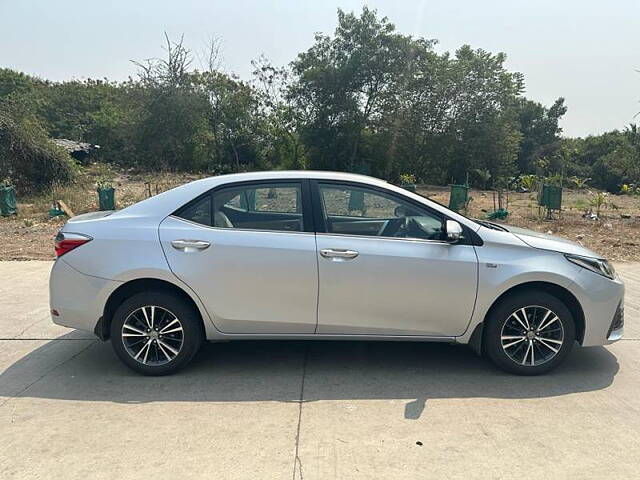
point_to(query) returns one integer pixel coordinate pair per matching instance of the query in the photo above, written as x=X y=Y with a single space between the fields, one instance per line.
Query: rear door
x=384 y=267
x=248 y=251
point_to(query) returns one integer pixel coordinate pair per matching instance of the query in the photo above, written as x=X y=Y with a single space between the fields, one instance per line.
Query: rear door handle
x=338 y=253
x=190 y=245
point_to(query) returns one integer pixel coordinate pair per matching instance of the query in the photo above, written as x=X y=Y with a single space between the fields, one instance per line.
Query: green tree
x=171 y=131
x=540 y=130
x=12 y=82
x=365 y=98
x=281 y=120
x=455 y=115
x=621 y=164
x=28 y=158
x=346 y=84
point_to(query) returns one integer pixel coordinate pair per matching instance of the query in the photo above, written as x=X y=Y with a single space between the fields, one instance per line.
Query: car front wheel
x=529 y=333
x=156 y=333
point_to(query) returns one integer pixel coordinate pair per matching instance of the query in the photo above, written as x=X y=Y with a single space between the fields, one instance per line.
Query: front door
x=384 y=268
x=249 y=253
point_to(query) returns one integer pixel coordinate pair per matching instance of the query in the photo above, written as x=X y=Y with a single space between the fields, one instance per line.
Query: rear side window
x=199 y=212
x=268 y=206
x=276 y=199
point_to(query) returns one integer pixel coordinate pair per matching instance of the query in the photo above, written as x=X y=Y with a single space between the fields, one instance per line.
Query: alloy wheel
x=532 y=335
x=152 y=335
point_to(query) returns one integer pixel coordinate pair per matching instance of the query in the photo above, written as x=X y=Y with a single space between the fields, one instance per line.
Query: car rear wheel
x=156 y=333
x=529 y=333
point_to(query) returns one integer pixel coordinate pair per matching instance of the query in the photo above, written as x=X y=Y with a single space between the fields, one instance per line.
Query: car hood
x=545 y=241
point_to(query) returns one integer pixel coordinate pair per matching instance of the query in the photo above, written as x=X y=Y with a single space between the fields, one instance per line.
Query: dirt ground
x=29 y=236
x=615 y=235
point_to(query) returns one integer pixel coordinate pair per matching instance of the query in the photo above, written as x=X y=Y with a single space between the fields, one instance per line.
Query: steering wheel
x=396 y=227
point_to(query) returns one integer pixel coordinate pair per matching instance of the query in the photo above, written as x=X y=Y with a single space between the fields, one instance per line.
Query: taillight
x=65 y=242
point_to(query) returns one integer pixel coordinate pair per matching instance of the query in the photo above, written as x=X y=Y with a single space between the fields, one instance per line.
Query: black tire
x=190 y=336
x=560 y=335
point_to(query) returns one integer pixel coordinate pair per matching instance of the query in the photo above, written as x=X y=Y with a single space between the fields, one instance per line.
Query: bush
x=407 y=178
x=610 y=173
x=28 y=158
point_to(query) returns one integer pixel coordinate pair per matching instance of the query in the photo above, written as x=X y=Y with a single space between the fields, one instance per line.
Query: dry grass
x=29 y=235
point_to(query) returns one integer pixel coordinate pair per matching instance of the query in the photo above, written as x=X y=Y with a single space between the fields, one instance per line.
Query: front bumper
x=78 y=299
x=615 y=335
x=602 y=302
x=616 y=330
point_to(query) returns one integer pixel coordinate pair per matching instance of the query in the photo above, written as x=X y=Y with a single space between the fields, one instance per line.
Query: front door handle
x=190 y=245
x=338 y=253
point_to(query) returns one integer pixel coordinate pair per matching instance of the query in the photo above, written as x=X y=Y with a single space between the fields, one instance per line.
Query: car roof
x=167 y=202
x=295 y=174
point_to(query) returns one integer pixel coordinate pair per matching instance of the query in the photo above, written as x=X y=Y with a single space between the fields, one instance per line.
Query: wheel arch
x=558 y=291
x=133 y=287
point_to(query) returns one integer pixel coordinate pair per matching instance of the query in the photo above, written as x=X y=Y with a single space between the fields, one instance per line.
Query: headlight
x=596 y=265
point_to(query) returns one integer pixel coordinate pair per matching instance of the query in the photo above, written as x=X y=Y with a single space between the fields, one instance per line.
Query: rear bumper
x=78 y=299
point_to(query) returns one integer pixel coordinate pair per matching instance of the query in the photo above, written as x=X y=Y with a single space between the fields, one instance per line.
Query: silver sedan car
x=326 y=256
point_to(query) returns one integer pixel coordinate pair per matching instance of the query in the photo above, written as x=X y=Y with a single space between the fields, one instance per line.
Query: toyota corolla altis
x=330 y=256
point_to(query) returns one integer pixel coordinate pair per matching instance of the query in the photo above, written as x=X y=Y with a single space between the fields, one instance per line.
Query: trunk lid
x=88 y=217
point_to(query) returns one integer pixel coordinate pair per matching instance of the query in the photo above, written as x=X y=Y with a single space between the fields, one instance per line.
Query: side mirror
x=453 y=231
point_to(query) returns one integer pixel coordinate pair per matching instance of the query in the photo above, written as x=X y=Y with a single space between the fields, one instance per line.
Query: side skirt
x=346 y=337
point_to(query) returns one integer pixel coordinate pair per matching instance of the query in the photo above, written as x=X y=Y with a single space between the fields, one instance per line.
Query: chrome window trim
x=411 y=239
x=234 y=229
x=324 y=234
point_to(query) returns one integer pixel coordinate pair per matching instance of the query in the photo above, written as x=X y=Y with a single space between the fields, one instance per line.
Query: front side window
x=351 y=210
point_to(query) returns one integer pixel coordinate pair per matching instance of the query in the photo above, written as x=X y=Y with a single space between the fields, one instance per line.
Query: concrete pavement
x=314 y=410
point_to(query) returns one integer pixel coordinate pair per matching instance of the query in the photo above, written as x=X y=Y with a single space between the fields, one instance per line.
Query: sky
x=585 y=51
